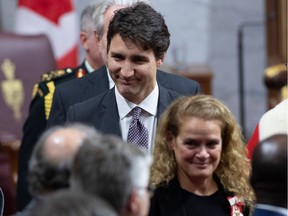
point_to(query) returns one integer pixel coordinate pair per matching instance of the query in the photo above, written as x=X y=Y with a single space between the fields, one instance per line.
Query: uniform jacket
x=35 y=124
x=94 y=83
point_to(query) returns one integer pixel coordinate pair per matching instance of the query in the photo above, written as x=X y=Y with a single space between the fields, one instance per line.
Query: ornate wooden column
x=276 y=42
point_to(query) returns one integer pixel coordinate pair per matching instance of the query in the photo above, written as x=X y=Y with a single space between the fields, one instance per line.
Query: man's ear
x=161 y=60
x=133 y=203
x=97 y=37
x=83 y=39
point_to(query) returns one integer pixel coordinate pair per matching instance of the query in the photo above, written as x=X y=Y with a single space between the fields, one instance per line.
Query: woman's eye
x=190 y=143
x=212 y=144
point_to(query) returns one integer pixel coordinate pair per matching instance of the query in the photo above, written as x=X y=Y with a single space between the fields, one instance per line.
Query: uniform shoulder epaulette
x=41 y=87
x=46 y=87
x=56 y=74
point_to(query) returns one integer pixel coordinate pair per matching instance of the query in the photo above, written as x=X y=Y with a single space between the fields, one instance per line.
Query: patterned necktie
x=137 y=133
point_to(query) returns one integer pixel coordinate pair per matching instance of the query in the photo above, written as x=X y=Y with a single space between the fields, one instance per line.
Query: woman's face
x=197 y=148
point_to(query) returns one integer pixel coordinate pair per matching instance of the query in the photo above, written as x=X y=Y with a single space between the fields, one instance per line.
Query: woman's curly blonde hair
x=234 y=167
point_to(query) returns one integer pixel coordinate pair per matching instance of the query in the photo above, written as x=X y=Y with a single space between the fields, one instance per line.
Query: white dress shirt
x=111 y=82
x=148 y=116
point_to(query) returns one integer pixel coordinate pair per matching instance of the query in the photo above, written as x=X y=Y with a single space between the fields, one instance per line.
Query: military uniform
x=36 y=121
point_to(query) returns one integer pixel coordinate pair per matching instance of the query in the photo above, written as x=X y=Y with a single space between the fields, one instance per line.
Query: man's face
x=107 y=18
x=132 y=69
x=93 y=50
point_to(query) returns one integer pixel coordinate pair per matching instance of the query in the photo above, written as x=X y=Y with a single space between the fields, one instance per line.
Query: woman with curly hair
x=200 y=161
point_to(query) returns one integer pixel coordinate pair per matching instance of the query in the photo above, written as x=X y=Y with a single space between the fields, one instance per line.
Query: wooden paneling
x=276 y=42
x=276 y=31
x=200 y=73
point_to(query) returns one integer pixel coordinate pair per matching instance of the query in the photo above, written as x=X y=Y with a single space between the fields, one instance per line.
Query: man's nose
x=127 y=69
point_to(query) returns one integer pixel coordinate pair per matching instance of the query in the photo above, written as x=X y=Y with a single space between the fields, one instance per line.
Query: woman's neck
x=198 y=186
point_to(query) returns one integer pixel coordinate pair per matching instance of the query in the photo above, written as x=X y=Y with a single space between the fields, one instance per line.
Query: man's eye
x=139 y=60
x=117 y=57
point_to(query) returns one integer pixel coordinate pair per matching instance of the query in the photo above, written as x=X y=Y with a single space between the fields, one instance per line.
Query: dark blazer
x=264 y=212
x=94 y=83
x=102 y=112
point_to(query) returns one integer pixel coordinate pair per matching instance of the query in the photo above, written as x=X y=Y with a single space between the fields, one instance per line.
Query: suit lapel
x=166 y=97
x=97 y=83
x=110 y=119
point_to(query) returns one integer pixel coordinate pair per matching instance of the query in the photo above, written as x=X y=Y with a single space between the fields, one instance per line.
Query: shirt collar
x=148 y=104
x=111 y=82
x=88 y=66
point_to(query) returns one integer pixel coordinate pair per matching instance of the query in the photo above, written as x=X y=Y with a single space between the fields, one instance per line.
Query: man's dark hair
x=142 y=25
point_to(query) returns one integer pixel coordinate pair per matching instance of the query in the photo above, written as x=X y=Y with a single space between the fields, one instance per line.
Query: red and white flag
x=55 y=18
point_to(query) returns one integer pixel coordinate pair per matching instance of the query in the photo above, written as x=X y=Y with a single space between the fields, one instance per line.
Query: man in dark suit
x=269 y=176
x=99 y=81
x=137 y=41
x=40 y=105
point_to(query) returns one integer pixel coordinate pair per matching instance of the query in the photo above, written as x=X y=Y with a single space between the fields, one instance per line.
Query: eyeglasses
x=150 y=189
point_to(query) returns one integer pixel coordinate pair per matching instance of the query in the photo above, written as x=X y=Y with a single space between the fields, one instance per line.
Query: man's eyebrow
x=139 y=58
x=116 y=54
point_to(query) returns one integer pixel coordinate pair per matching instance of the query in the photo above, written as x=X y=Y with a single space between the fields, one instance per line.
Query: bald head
x=50 y=163
x=269 y=171
x=62 y=144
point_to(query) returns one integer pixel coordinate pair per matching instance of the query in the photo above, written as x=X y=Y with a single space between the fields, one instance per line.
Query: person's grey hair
x=140 y=169
x=47 y=175
x=103 y=5
x=86 y=19
x=110 y=168
x=72 y=203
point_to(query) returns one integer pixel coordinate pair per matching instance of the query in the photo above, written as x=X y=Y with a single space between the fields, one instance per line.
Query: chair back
x=23 y=59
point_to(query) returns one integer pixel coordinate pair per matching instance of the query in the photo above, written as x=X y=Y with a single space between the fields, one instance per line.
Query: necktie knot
x=136 y=113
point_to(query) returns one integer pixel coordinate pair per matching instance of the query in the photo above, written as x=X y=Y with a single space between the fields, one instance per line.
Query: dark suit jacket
x=102 y=112
x=263 y=212
x=34 y=126
x=94 y=83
